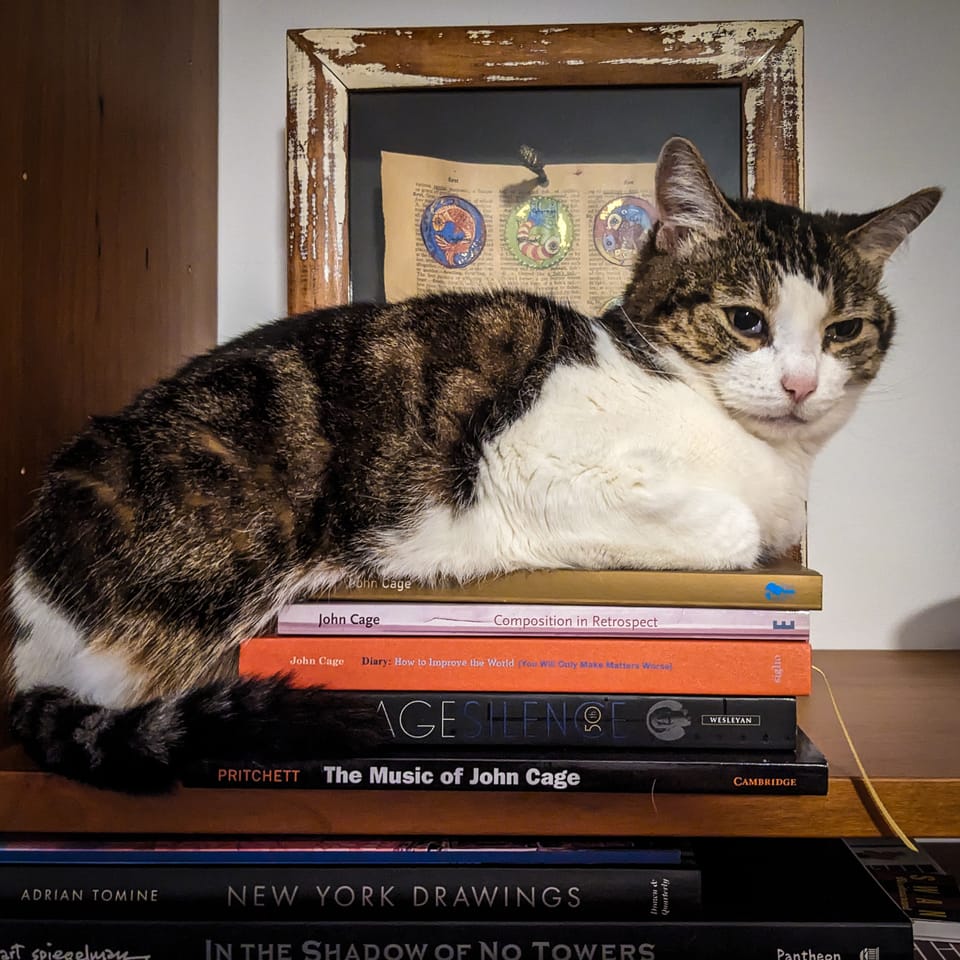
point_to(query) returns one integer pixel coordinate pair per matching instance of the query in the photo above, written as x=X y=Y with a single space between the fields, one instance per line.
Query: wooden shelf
x=899 y=706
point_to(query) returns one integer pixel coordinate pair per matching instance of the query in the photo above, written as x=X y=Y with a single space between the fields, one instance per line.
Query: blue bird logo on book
x=775 y=591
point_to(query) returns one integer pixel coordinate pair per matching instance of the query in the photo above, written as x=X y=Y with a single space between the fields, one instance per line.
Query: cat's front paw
x=730 y=536
x=699 y=529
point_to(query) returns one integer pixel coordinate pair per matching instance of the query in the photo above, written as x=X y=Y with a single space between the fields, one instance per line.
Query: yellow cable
x=884 y=812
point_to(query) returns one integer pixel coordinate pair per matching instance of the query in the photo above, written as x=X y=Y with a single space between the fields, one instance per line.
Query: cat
x=452 y=435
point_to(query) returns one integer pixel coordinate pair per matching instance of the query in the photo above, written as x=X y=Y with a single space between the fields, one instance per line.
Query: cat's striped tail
x=144 y=749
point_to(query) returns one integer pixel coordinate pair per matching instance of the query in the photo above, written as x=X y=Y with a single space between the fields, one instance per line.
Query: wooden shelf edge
x=36 y=802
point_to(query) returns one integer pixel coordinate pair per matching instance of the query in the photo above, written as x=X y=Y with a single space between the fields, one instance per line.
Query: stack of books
x=520 y=899
x=584 y=680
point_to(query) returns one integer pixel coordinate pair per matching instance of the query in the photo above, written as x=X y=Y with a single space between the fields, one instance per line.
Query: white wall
x=882 y=86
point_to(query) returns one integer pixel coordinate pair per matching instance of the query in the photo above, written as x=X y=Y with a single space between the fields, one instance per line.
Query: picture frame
x=763 y=59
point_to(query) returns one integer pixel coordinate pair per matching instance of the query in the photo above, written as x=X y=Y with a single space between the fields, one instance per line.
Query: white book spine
x=347 y=618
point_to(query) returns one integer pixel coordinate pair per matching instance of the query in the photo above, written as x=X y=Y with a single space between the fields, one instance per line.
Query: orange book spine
x=536 y=664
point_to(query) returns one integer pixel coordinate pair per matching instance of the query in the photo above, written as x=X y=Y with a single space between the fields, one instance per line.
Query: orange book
x=536 y=664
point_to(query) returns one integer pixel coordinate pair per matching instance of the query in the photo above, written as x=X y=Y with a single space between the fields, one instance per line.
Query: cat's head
x=774 y=312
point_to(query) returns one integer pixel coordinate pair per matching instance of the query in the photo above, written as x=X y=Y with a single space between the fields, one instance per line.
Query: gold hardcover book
x=784 y=585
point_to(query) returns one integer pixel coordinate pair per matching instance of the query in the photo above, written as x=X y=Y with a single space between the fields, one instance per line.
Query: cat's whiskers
x=636 y=329
x=658 y=356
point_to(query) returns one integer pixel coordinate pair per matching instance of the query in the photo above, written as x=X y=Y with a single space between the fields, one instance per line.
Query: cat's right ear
x=690 y=205
x=884 y=231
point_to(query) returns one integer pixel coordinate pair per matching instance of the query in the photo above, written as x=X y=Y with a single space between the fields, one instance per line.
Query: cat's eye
x=746 y=320
x=844 y=330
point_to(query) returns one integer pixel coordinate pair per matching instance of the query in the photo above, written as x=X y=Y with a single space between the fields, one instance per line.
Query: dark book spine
x=631 y=722
x=444 y=940
x=272 y=892
x=578 y=773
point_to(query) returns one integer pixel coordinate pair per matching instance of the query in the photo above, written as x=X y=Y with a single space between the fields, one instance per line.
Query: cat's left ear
x=690 y=205
x=886 y=229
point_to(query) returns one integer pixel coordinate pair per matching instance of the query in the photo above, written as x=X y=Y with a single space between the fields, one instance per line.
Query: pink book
x=404 y=618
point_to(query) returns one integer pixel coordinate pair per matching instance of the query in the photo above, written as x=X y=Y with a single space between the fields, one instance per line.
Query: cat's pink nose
x=799 y=385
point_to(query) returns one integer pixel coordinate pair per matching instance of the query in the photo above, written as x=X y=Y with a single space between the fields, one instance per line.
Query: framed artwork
x=578 y=93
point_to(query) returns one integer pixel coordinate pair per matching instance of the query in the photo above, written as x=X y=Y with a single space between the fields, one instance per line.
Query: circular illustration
x=453 y=231
x=619 y=226
x=539 y=232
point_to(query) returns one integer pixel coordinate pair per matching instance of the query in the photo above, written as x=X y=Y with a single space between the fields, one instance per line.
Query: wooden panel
x=13 y=71
x=108 y=252
x=897 y=704
x=764 y=58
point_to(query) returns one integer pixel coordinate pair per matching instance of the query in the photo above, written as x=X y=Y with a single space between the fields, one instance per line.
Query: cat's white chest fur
x=614 y=466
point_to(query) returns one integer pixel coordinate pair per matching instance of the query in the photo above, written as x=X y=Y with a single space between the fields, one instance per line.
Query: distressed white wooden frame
x=765 y=58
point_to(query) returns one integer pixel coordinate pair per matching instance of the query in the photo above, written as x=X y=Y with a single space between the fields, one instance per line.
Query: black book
x=428 y=718
x=359 y=892
x=762 y=900
x=802 y=771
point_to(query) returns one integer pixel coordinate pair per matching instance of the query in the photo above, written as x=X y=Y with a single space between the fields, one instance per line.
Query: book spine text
x=536 y=664
x=628 y=722
x=577 y=773
x=337 y=618
x=635 y=939
x=465 y=891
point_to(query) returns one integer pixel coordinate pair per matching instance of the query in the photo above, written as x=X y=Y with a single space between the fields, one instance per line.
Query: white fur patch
x=53 y=652
x=613 y=467
x=798 y=320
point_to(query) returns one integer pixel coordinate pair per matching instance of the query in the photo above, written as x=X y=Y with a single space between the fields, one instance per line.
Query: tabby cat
x=446 y=436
